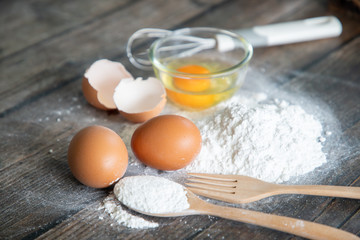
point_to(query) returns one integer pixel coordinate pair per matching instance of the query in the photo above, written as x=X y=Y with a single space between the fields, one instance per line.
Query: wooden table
x=45 y=48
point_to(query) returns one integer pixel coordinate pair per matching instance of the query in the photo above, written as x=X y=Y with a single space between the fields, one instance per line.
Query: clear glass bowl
x=200 y=67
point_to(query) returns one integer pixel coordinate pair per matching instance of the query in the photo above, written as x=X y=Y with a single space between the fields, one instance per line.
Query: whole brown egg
x=97 y=156
x=167 y=142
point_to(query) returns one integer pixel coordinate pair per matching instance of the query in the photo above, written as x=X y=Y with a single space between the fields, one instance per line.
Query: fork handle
x=322 y=190
x=285 y=224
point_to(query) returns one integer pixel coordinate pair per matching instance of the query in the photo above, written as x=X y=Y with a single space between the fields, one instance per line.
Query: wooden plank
x=70 y=64
x=25 y=168
x=22 y=139
x=236 y=230
x=39 y=164
x=51 y=80
x=334 y=213
x=271 y=60
x=344 y=213
x=328 y=211
x=43 y=188
x=352 y=225
x=65 y=57
x=88 y=219
x=42 y=178
x=26 y=23
x=338 y=212
x=314 y=51
x=329 y=79
x=317 y=83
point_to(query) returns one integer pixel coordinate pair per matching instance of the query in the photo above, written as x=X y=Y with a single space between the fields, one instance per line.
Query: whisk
x=258 y=36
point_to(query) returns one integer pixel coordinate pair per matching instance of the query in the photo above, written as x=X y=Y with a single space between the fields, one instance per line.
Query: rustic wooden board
x=50 y=80
x=41 y=108
x=26 y=23
x=72 y=51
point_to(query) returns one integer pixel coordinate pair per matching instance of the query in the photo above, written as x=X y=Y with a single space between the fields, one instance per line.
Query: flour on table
x=151 y=194
x=113 y=208
x=126 y=134
x=272 y=142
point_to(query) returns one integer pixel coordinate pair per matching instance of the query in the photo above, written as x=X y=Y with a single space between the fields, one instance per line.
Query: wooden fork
x=243 y=189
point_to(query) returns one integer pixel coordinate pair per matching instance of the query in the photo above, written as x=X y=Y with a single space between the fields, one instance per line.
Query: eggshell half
x=90 y=94
x=139 y=100
x=100 y=81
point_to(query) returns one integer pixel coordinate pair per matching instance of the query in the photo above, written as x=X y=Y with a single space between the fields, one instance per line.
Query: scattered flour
x=151 y=194
x=126 y=134
x=116 y=212
x=272 y=142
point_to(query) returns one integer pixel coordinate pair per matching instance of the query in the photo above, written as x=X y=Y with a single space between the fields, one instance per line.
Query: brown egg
x=97 y=156
x=167 y=142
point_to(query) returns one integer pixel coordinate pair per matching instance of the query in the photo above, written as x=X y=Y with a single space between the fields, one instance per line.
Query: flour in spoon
x=151 y=194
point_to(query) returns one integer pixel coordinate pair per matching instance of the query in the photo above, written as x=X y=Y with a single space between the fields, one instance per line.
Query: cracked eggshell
x=100 y=81
x=139 y=100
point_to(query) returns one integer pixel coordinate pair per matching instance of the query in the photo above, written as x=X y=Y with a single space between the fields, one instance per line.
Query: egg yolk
x=191 y=101
x=192 y=85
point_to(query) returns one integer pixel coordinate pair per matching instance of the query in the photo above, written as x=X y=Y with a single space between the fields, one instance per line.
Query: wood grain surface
x=45 y=48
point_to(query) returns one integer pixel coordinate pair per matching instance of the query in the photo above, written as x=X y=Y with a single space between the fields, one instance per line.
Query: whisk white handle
x=259 y=36
x=291 y=32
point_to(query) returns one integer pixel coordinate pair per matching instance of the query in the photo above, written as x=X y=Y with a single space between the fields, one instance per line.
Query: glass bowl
x=200 y=67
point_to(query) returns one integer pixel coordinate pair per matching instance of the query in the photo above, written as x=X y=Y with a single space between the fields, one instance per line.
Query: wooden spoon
x=285 y=224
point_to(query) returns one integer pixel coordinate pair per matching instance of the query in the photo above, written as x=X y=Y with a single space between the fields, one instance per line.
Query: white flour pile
x=151 y=194
x=271 y=142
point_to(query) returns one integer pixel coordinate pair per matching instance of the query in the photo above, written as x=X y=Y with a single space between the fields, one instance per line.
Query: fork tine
x=211 y=194
x=212 y=187
x=212 y=182
x=213 y=176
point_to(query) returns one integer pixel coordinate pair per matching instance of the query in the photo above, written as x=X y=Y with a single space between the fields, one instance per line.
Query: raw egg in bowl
x=199 y=67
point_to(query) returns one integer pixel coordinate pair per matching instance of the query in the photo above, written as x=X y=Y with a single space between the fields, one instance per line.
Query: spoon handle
x=322 y=190
x=285 y=224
